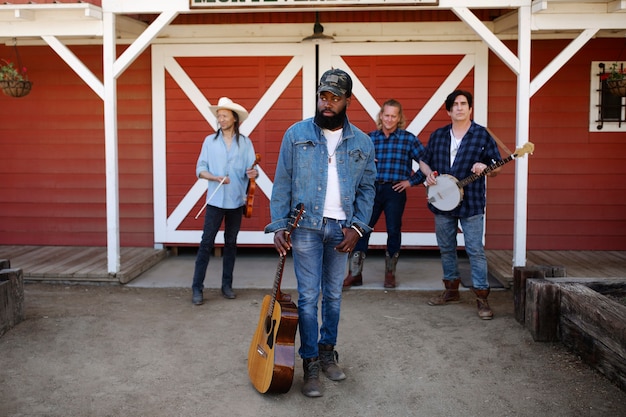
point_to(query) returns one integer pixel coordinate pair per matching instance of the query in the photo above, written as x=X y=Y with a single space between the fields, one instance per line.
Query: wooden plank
x=593 y=326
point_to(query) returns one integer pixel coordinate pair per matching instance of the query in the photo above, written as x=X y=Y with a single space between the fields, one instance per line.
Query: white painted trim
x=522 y=128
x=110 y=146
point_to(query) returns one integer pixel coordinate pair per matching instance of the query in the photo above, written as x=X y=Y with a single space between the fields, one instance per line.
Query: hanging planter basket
x=14 y=88
x=617 y=87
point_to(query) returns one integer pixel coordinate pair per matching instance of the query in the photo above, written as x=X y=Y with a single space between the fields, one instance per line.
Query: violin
x=251 y=189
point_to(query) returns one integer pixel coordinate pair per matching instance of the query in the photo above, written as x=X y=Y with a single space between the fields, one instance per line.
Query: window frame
x=595 y=95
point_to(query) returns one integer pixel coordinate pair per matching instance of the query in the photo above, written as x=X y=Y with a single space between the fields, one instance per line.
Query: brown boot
x=354 y=278
x=449 y=296
x=312 y=386
x=328 y=361
x=484 y=311
x=390 y=270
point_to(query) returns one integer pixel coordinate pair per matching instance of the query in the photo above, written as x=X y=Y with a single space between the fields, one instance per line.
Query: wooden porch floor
x=78 y=263
x=578 y=264
x=89 y=264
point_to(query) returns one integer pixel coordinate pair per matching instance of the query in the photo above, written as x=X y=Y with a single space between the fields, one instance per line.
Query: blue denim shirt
x=302 y=172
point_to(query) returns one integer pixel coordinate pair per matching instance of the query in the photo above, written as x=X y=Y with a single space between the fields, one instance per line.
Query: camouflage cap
x=337 y=82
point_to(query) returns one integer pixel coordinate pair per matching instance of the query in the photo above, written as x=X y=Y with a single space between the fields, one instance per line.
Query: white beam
x=560 y=60
x=522 y=128
x=24 y=14
x=142 y=42
x=486 y=35
x=110 y=144
x=76 y=65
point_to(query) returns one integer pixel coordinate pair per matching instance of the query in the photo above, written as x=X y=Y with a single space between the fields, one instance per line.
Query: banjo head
x=446 y=194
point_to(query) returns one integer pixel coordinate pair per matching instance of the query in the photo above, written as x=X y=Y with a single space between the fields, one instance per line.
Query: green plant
x=616 y=72
x=10 y=73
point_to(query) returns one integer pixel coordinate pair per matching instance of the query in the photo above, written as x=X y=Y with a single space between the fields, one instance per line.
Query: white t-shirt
x=332 y=204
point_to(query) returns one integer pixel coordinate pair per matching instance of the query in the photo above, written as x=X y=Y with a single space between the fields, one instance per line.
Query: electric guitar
x=447 y=194
x=271 y=356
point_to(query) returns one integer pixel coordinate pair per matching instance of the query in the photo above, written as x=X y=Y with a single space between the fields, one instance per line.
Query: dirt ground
x=86 y=350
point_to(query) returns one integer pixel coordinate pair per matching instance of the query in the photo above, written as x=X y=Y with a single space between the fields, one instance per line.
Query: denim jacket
x=302 y=171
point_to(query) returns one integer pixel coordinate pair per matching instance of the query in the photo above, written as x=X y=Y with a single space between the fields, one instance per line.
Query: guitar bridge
x=260 y=351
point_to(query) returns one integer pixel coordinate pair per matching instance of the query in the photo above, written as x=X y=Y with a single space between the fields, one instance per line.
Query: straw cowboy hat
x=227 y=104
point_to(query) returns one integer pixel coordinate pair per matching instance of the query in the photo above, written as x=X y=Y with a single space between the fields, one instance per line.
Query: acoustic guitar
x=251 y=189
x=271 y=356
x=447 y=194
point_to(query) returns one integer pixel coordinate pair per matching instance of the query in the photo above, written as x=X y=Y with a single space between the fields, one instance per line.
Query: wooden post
x=543 y=304
x=11 y=298
x=520 y=275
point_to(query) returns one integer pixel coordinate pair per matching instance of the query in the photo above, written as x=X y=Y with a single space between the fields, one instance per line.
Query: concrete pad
x=256 y=268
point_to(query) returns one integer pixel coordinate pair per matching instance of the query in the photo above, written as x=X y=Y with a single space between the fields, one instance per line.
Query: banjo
x=447 y=194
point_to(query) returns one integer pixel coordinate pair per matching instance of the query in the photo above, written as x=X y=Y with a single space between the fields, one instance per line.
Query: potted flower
x=13 y=81
x=616 y=80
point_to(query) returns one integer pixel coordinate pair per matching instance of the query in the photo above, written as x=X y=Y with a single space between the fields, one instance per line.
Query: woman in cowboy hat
x=225 y=161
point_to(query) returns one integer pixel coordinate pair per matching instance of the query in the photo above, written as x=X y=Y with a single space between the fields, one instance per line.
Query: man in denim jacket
x=327 y=164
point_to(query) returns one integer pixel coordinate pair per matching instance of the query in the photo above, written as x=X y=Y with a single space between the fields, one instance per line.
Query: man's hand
x=401 y=186
x=350 y=238
x=281 y=243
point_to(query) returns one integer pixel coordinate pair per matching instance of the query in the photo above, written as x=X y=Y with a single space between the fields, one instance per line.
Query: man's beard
x=332 y=122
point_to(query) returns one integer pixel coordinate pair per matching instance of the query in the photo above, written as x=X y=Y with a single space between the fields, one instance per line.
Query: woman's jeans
x=446 y=228
x=318 y=265
x=212 y=222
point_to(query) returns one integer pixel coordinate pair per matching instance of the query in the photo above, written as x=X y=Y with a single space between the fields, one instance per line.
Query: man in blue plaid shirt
x=396 y=149
x=461 y=149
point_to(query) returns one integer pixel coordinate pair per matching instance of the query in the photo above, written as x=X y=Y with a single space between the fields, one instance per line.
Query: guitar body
x=446 y=194
x=272 y=353
x=271 y=356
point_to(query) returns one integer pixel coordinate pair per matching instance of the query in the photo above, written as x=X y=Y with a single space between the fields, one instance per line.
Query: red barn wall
x=52 y=175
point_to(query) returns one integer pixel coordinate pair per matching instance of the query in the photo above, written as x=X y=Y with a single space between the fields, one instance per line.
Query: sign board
x=199 y=4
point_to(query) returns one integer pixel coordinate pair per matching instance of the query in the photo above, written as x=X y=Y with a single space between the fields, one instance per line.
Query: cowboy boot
x=227 y=288
x=449 y=296
x=484 y=311
x=390 y=270
x=354 y=278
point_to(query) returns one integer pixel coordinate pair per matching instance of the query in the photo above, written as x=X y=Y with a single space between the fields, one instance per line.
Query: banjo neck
x=462 y=183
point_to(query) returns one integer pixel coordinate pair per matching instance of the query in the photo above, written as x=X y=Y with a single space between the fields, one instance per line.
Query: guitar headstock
x=528 y=147
x=296 y=216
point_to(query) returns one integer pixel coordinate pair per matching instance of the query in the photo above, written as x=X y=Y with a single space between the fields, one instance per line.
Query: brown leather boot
x=390 y=270
x=354 y=278
x=328 y=360
x=312 y=386
x=449 y=296
x=484 y=311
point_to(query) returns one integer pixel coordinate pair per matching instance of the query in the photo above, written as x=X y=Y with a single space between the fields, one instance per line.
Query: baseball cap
x=336 y=81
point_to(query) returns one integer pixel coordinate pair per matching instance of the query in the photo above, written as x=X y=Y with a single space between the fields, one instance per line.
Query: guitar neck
x=486 y=171
x=277 y=280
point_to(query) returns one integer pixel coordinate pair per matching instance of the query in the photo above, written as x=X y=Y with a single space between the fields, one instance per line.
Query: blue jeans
x=446 y=230
x=318 y=265
x=212 y=222
x=392 y=203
